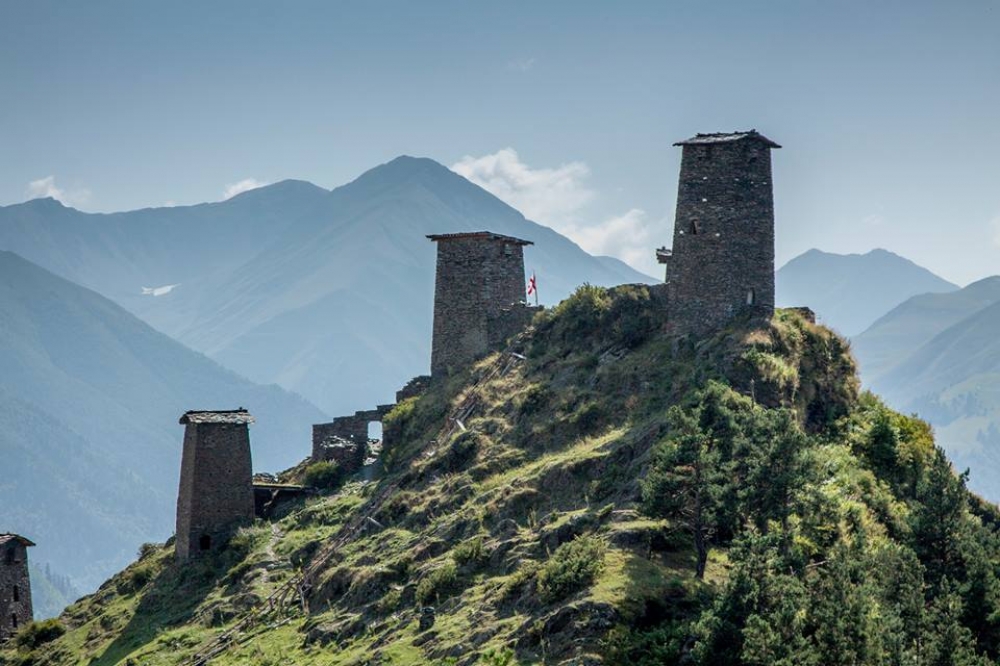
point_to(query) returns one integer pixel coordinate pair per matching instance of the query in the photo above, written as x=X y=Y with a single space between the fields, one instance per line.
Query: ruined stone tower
x=722 y=260
x=216 y=489
x=15 y=585
x=478 y=296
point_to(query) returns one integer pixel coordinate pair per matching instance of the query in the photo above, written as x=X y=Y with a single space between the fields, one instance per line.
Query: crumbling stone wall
x=413 y=388
x=216 y=486
x=15 y=585
x=479 y=276
x=345 y=439
x=722 y=261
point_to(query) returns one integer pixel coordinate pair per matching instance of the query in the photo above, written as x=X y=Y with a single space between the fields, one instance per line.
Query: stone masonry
x=479 y=295
x=216 y=488
x=722 y=261
x=345 y=439
x=15 y=585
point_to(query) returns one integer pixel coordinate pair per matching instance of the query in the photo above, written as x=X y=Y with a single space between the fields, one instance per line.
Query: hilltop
x=600 y=467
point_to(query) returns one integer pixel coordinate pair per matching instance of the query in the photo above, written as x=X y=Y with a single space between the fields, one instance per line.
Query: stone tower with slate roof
x=479 y=296
x=15 y=585
x=722 y=262
x=216 y=488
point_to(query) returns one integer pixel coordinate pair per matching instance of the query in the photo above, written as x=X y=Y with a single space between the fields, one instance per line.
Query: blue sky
x=889 y=112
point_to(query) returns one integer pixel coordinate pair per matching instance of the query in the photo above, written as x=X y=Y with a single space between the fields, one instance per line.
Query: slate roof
x=232 y=416
x=488 y=235
x=24 y=541
x=727 y=137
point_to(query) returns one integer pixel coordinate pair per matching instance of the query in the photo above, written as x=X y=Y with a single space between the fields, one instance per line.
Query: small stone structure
x=413 y=388
x=722 y=261
x=345 y=439
x=15 y=585
x=216 y=492
x=269 y=498
x=479 y=297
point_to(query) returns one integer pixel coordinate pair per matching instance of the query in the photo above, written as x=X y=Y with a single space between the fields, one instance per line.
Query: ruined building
x=216 y=492
x=345 y=439
x=722 y=261
x=479 y=296
x=15 y=584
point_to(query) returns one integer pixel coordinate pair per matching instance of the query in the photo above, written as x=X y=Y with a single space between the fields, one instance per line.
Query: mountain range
x=89 y=402
x=849 y=292
x=327 y=293
x=939 y=355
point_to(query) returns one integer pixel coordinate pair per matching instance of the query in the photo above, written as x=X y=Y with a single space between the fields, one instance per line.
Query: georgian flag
x=532 y=288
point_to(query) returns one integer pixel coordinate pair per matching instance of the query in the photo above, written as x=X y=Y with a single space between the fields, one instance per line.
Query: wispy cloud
x=245 y=185
x=46 y=187
x=629 y=237
x=557 y=197
x=551 y=196
x=521 y=64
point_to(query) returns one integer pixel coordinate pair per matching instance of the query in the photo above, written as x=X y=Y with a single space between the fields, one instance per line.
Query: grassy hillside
x=597 y=493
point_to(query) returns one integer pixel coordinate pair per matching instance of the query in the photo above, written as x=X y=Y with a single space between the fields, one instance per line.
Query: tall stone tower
x=15 y=585
x=479 y=296
x=216 y=489
x=722 y=263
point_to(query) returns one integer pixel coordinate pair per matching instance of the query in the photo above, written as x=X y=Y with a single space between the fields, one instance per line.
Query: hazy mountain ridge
x=88 y=421
x=938 y=355
x=328 y=293
x=850 y=292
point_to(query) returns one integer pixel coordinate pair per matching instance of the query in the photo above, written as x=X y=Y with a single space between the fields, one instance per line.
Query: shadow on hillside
x=167 y=601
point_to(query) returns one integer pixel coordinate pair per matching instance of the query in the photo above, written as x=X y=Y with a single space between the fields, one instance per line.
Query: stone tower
x=15 y=585
x=722 y=261
x=216 y=489
x=479 y=296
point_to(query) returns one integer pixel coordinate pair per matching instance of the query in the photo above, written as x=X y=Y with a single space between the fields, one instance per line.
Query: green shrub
x=463 y=449
x=471 y=552
x=572 y=567
x=525 y=574
x=440 y=581
x=148 y=549
x=535 y=399
x=324 y=474
x=589 y=418
x=663 y=644
x=39 y=633
x=498 y=657
x=135 y=577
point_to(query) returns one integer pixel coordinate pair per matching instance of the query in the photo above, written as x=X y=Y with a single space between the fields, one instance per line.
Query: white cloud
x=46 y=187
x=245 y=185
x=631 y=237
x=550 y=196
x=995 y=229
x=557 y=196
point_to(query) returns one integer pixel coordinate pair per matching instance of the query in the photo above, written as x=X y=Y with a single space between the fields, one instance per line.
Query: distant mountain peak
x=41 y=203
x=283 y=188
x=405 y=167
